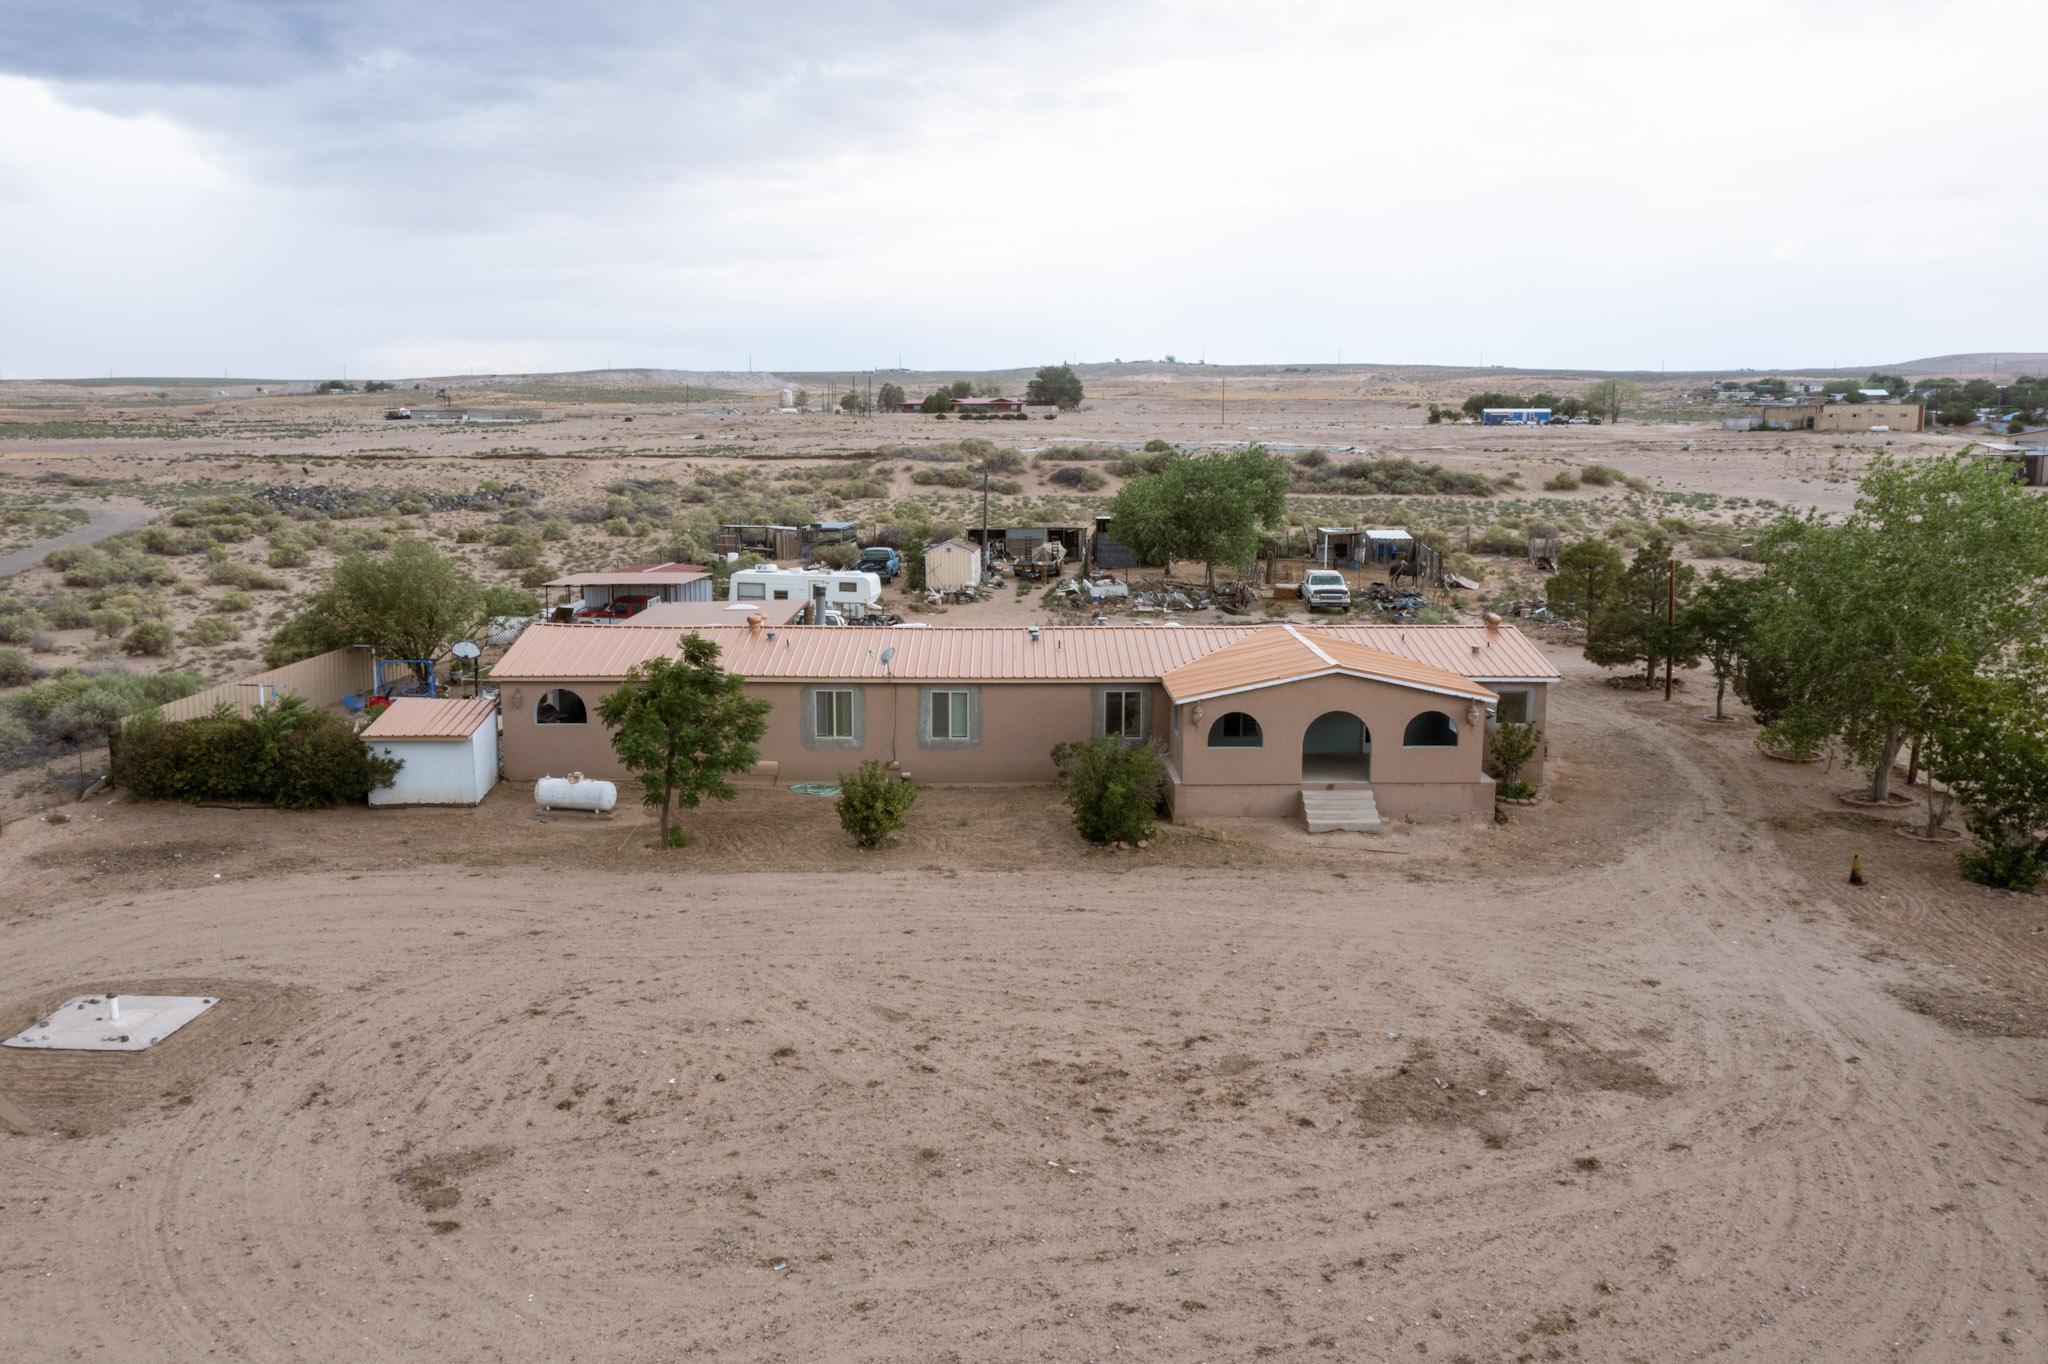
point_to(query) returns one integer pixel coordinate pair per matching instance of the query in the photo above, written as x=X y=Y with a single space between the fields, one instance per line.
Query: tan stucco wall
x=1020 y=723
x=1863 y=416
x=1284 y=714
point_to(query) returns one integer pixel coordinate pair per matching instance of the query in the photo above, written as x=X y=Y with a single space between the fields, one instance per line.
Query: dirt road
x=1629 y=1079
x=110 y=517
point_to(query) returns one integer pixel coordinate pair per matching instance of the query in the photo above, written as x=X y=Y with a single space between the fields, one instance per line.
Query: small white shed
x=449 y=748
x=952 y=564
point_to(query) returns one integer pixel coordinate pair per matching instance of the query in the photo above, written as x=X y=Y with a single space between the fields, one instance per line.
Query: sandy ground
x=488 y=1088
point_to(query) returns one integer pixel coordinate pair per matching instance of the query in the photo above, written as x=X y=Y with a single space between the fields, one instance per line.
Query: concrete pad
x=111 y=1022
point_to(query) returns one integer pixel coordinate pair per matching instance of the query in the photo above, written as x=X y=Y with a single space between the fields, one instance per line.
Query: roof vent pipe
x=1492 y=623
x=1034 y=634
x=756 y=622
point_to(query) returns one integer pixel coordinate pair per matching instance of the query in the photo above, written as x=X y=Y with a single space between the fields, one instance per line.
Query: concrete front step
x=1353 y=808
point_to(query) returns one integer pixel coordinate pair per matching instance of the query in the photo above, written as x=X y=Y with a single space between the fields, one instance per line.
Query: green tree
x=1721 y=620
x=684 y=726
x=1588 y=575
x=802 y=397
x=1055 y=384
x=1941 y=559
x=938 y=400
x=889 y=397
x=1208 y=508
x=1987 y=740
x=412 y=602
x=853 y=403
x=1637 y=625
x=1608 y=397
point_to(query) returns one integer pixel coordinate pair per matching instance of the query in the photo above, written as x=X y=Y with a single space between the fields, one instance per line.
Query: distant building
x=1785 y=416
x=1869 y=416
x=1514 y=416
x=952 y=565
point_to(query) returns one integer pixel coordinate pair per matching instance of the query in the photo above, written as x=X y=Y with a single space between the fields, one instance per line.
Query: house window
x=782 y=594
x=1236 y=730
x=949 y=715
x=1514 y=707
x=1123 y=714
x=753 y=592
x=560 y=707
x=832 y=714
x=1431 y=729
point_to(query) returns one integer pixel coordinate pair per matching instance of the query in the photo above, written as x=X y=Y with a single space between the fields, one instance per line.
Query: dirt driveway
x=1633 y=1078
x=109 y=517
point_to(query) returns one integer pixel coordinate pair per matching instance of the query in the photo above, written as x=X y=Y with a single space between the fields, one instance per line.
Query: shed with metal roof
x=448 y=749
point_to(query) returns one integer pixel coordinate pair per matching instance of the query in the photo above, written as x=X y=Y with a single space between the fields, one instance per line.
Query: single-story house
x=952 y=565
x=612 y=594
x=449 y=748
x=1247 y=715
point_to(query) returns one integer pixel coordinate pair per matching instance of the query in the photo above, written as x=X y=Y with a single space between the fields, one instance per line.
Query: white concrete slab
x=111 y=1022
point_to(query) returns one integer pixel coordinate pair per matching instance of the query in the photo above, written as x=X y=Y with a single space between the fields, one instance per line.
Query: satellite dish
x=888 y=654
x=466 y=649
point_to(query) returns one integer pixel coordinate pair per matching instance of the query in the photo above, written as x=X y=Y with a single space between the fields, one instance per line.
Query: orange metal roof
x=1008 y=652
x=1266 y=657
x=429 y=717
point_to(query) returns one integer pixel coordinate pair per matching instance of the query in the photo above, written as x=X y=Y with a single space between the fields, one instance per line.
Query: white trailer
x=850 y=592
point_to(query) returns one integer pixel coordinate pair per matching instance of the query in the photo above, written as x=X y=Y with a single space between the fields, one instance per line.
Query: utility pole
x=984 y=514
x=1670 y=618
x=1224 y=418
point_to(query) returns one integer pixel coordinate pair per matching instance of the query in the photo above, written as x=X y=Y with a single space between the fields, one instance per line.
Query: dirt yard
x=1636 y=1076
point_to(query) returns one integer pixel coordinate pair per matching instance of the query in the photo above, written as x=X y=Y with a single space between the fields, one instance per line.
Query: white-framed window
x=1123 y=714
x=753 y=592
x=832 y=713
x=949 y=715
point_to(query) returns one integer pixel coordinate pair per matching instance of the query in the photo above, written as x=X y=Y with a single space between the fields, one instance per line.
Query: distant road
x=110 y=517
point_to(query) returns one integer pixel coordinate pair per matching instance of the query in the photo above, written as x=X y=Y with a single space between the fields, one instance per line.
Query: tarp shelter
x=449 y=748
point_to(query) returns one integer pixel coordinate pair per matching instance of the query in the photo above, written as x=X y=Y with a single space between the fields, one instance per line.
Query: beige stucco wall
x=1019 y=723
x=1284 y=714
x=1863 y=416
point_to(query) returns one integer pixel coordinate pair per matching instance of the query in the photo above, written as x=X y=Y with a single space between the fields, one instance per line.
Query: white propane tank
x=575 y=792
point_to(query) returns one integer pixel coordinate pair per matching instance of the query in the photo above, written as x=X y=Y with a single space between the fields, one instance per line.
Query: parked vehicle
x=852 y=592
x=880 y=560
x=1325 y=589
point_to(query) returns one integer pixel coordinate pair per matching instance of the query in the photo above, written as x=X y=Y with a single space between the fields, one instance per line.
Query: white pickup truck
x=1324 y=589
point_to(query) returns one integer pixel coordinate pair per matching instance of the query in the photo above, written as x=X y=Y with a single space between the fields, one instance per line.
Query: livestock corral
x=1630 y=1073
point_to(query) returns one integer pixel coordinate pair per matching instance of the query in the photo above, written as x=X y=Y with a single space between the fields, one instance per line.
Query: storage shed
x=449 y=748
x=952 y=565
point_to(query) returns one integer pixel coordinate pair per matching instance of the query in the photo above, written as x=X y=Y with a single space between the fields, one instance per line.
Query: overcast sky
x=287 y=187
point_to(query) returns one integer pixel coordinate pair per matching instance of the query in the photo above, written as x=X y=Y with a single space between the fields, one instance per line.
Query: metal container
x=575 y=792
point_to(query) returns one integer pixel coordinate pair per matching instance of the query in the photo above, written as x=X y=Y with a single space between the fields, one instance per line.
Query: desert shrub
x=836 y=556
x=520 y=554
x=1563 y=481
x=1073 y=476
x=1312 y=459
x=15 y=668
x=110 y=621
x=75 y=703
x=536 y=576
x=469 y=535
x=151 y=637
x=872 y=803
x=289 y=754
x=209 y=631
x=18 y=627
x=288 y=556
x=163 y=540
x=67 y=613
x=1112 y=788
x=233 y=603
x=2004 y=866
x=1513 y=746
